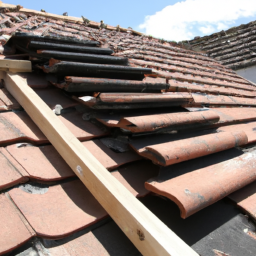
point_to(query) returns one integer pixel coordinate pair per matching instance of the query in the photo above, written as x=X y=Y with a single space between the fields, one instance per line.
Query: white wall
x=248 y=73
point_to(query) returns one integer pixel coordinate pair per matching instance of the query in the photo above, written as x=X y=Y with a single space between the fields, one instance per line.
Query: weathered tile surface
x=13 y=232
x=60 y=211
x=196 y=188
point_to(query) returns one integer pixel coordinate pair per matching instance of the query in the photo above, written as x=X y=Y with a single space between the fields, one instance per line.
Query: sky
x=168 y=19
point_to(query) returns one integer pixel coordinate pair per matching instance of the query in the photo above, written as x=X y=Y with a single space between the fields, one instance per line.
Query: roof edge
x=65 y=18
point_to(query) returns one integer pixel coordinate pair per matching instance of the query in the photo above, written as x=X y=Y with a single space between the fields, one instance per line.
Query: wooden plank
x=141 y=226
x=15 y=65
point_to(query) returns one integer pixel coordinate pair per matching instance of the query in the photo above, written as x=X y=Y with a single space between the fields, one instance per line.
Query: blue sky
x=171 y=20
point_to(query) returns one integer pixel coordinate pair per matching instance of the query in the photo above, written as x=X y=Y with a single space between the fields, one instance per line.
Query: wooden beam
x=140 y=225
x=15 y=65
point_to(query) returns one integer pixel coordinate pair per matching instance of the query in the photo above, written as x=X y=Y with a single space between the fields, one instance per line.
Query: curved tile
x=248 y=128
x=201 y=186
x=172 y=120
x=177 y=151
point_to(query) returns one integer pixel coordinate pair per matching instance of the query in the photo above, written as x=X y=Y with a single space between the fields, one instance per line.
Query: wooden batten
x=15 y=66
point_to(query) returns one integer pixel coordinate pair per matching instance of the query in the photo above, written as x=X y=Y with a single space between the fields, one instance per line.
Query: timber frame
x=140 y=225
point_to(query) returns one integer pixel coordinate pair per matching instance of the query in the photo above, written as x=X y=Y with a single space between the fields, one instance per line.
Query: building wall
x=248 y=73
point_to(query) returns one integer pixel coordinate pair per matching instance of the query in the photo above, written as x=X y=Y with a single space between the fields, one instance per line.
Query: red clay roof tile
x=246 y=198
x=87 y=244
x=53 y=167
x=18 y=127
x=177 y=151
x=7 y=102
x=172 y=121
x=230 y=46
x=134 y=175
x=199 y=188
x=248 y=128
x=14 y=232
x=53 y=96
x=11 y=173
x=62 y=210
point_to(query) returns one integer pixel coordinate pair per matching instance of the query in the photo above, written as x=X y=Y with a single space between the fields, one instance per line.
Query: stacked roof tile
x=162 y=119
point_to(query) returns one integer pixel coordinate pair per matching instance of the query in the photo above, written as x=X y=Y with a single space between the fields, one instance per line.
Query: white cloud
x=181 y=20
x=207 y=29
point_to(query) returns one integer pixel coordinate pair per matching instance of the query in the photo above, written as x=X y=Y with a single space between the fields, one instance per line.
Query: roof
x=233 y=48
x=162 y=119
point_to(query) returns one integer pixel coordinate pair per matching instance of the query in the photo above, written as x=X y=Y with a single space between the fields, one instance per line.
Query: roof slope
x=160 y=118
x=234 y=48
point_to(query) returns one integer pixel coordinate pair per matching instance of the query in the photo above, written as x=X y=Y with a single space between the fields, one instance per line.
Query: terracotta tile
x=3 y=107
x=177 y=151
x=107 y=239
x=35 y=80
x=11 y=173
x=53 y=167
x=198 y=79
x=190 y=87
x=7 y=100
x=236 y=54
x=87 y=244
x=62 y=210
x=14 y=232
x=134 y=175
x=172 y=121
x=53 y=96
x=246 y=199
x=213 y=100
x=143 y=97
x=112 y=120
x=234 y=115
x=17 y=126
x=108 y=157
x=205 y=181
x=175 y=68
x=248 y=128
x=84 y=130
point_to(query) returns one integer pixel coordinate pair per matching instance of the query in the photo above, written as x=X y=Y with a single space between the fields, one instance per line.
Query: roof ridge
x=66 y=18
